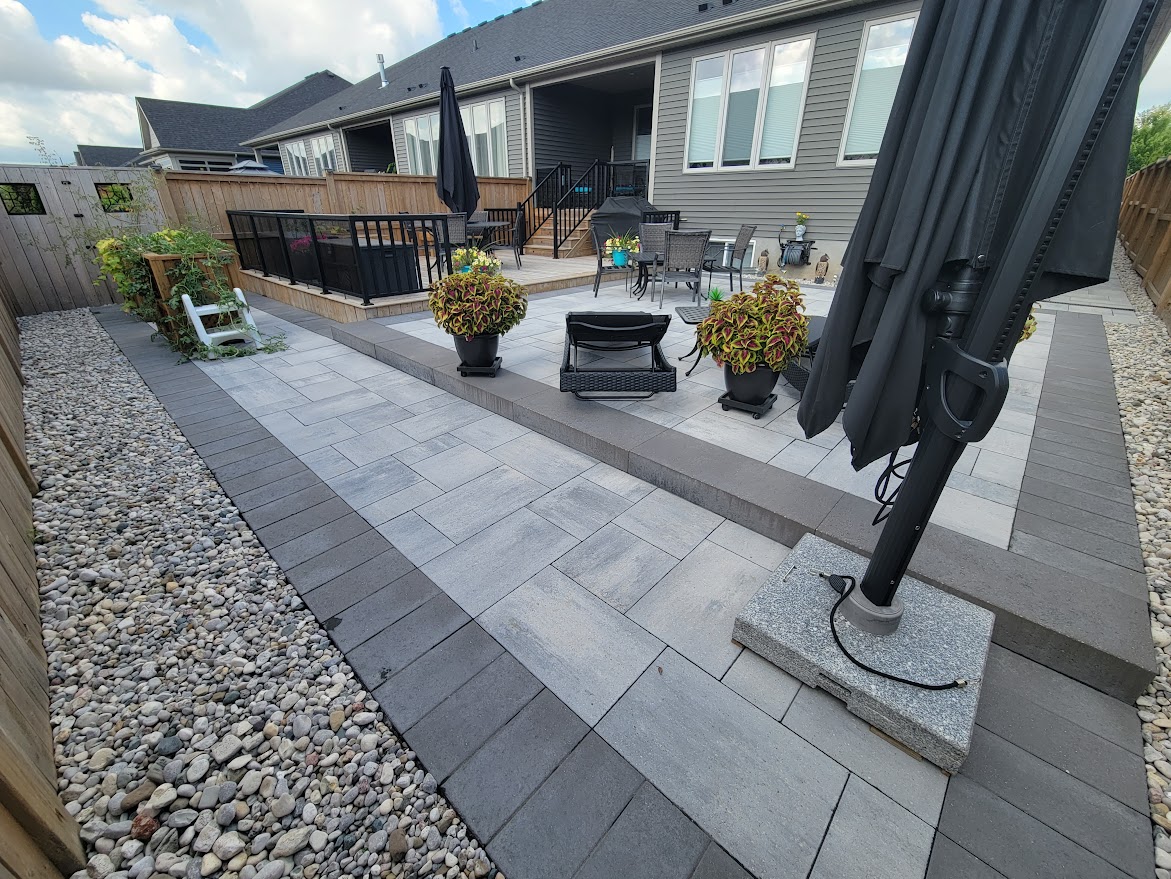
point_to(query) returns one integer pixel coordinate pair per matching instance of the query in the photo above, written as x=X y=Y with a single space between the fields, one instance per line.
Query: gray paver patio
x=774 y=772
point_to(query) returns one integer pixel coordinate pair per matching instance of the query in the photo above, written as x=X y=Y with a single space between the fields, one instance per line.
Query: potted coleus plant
x=477 y=307
x=754 y=336
x=621 y=246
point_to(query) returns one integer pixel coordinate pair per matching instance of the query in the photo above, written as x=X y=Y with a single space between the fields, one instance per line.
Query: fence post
x=333 y=198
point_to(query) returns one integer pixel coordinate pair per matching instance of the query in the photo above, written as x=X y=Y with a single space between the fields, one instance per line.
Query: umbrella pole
x=874 y=606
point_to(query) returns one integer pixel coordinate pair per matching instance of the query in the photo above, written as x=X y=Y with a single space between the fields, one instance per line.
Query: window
x=641 y=149
x=298 y=160
x=485 y=130
x=422 y=143
x=204 y=165
x=324 y=154
x=746 y=106
x=21 y=199
x=115 y=198
x=880 y=65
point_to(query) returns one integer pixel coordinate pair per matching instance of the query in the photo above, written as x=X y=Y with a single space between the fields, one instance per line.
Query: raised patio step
x=1080 y=624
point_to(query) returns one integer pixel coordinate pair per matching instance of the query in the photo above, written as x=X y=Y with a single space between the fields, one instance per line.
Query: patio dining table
x=481 y=229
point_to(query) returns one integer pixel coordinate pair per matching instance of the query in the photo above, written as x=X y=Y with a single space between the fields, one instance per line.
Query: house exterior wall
x=566 y=129
x=365 y=148
x=184 y=161
x=514 y=130
x=723 y=200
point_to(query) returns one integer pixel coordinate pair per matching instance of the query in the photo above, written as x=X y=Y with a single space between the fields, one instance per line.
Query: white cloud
x=80 y=89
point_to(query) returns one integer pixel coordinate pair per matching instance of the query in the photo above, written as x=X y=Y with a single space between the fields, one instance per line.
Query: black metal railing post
x=362 y=290
x=259 y=248
x=280 y=230
x=317 y=255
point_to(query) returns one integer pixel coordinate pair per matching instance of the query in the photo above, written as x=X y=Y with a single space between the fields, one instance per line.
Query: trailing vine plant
x=199 y=270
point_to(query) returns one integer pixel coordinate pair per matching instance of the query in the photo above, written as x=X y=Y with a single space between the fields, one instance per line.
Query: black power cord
x=884 y=492
x=844 y=585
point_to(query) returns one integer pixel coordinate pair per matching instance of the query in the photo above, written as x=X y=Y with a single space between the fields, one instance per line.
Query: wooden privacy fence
x=203 y=199
x=1144 y=225
x=46 y=255
x=38 y=838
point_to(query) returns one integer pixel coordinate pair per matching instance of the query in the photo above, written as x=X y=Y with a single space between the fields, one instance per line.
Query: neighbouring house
x=98 y=156
x=186 y=136
x=730 y=111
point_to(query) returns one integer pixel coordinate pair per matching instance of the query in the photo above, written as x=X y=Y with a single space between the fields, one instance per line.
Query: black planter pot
x=478 y=351
x=751 y=388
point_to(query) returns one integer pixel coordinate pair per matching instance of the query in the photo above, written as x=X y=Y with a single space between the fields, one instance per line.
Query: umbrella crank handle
x=945 y=359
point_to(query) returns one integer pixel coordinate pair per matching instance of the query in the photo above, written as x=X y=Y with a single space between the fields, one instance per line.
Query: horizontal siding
x=514 y=130
x=723 y=200
x=570 y=124
x=364 y=151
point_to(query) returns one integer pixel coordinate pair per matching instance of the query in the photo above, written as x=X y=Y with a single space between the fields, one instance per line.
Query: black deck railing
x=538 y=207
x=362 y=255
x=600 y=181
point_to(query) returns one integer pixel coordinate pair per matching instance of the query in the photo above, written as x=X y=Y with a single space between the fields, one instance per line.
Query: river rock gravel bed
x=1141 y=355
x=204 y=723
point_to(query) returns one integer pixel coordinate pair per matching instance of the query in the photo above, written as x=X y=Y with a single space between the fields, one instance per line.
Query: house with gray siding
x=729 y=111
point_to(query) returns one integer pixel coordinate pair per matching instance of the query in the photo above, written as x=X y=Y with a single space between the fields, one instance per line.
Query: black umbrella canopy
x=982 y=91
x=455 y=175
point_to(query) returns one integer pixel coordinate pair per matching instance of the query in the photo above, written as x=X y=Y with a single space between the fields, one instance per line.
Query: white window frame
x=299 y=157
x=761 y=99
x=491 y=170
x=320 y=155
x=843 y=162
x=729 y=244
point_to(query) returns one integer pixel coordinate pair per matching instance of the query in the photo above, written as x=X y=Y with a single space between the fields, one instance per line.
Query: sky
x=69 y=68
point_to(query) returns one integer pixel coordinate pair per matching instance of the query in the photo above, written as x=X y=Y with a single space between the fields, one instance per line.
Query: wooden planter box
x=172 y=321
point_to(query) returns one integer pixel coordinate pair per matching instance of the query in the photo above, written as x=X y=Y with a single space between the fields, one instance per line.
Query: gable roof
x=182 y=125
x=98 y=155
x=533 y=36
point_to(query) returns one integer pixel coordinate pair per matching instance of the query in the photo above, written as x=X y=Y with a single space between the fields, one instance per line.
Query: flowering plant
x=802 y=218
x=1030 y=327
x=475 y=260
x=627 y=243
x=304 y=242
x=765 y=327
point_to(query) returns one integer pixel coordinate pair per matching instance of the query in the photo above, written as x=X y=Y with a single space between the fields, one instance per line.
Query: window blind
x=884 y=55
x=743 y=101
x=783 y=103
x=705 y=113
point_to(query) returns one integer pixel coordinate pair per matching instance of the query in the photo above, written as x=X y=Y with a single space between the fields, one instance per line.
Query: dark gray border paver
x=554 y=832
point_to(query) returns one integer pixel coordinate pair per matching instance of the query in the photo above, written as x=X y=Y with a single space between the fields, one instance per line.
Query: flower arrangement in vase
x=620 y=246
x=471 y=259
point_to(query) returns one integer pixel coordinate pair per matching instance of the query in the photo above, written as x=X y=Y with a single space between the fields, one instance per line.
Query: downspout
x=524 y=126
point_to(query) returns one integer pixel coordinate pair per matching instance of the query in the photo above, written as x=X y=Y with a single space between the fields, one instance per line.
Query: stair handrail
x=548 y=188
x=579 y=203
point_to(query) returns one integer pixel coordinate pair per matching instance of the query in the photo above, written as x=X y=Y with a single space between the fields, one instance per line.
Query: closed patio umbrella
x=996 y=186
x=455 y=175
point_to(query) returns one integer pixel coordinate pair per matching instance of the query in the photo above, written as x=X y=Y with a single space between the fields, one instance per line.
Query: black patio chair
x=671 y=217
x=735 y=263
x=652 y=244
x=683 y=261
x=603 y=269
x=604 y=332
x=513 y=241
